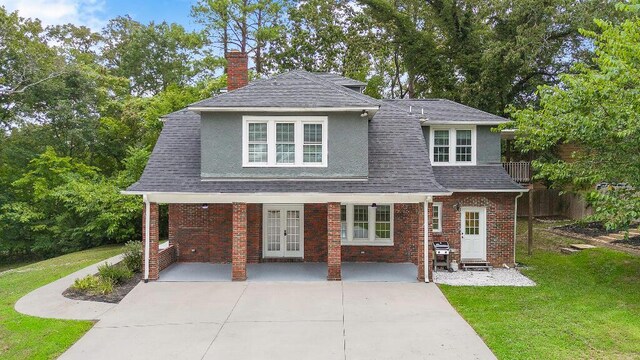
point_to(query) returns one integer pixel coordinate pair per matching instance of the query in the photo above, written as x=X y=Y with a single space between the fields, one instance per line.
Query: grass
x=586 y=305
x=28 y=337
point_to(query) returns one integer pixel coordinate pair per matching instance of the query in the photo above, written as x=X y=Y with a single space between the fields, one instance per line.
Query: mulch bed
x=592 y=229
x=631 y=241
x=119 y=292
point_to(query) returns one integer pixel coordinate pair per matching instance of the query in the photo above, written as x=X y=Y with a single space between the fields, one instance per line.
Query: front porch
x=288 y=242
x=304 y=272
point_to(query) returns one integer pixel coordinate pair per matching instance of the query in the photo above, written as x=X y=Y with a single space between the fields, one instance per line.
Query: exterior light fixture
x=456 y=206
x=364 y=114
x=205 y=206
x=374 y=205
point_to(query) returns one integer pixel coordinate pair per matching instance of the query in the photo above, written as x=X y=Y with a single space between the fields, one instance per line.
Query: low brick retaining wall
x=166 y=257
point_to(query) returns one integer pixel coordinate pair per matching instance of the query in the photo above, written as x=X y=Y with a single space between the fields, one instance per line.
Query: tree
x=27 y=63
x=596 y=106
x=486 y=54
x=153 y=56
x=248 y=25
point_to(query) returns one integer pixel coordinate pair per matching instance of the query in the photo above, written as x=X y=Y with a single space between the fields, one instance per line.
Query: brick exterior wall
x=209 y=231
x=334 y=258
x=239 y=245
x=500 y=216
x=254 y=233
x=237 y=74
x=201 y=235
x=166 y=257
x=154 y=270
x=315 y=232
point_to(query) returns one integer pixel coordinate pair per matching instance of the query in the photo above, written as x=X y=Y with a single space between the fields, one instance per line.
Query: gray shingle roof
x=480 y=177
x=442 y=110
x=292 y=89
x=398 y=161
x=339 y=79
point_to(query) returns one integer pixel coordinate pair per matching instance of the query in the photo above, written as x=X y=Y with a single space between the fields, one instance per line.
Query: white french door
x=473 y=233
x=283 y=231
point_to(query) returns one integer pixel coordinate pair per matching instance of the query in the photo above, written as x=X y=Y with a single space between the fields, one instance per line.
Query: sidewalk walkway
x=48 y=302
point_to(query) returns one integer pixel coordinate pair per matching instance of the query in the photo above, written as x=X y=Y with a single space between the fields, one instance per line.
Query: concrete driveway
x=282 y=320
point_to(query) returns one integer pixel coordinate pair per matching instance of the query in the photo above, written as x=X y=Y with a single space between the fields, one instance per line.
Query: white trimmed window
x=367 y=225
x=453 y=146
x=284 y=141
x=436 y=221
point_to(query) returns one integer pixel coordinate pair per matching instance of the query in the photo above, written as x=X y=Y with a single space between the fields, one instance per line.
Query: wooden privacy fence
x=549 y=202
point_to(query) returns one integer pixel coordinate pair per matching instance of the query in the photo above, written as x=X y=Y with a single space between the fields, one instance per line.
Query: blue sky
x=95 y=13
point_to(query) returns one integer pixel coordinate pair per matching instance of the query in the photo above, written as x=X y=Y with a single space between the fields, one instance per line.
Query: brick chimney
x=237 y=76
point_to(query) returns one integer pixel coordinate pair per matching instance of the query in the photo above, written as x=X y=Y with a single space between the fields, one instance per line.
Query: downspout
x=426 y=238
x=515 y=227
x=147 y=245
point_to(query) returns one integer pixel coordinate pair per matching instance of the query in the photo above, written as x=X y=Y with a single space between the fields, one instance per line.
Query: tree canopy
x=596 y=107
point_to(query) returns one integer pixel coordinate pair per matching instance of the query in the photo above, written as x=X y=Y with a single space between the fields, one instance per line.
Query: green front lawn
x=28 y=337
x=586 y=305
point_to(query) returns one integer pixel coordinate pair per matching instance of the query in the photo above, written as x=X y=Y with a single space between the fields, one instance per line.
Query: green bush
x=117 y=274
x=133 y=256
x=94 y=285
x=86 y=283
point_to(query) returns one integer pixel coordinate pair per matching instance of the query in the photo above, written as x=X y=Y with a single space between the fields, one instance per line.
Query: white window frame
x=371 y=241
x=452 y=144
x=439 y=218
x=271 y=122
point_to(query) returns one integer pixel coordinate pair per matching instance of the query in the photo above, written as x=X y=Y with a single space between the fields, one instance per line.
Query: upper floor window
x=453 y=146
x=284 y=141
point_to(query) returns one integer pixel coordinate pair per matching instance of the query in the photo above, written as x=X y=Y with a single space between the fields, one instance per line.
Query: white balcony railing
x=520 y=171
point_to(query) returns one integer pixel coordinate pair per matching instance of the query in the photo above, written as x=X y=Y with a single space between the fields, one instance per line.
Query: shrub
x=133 y=256
x=94 y=285
x=117 y=274
x=86 y=284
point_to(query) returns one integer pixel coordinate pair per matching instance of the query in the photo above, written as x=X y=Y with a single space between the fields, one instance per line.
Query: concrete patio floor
x=204 y=272
x=282 y=320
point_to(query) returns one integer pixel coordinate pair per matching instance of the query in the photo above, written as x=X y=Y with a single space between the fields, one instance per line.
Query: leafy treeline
x=597 y=108
x=80 y=109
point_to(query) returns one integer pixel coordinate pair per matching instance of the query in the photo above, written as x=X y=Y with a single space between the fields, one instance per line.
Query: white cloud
x=54 y=12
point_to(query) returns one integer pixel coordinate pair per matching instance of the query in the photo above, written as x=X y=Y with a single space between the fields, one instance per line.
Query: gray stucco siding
x=221 y=149
x=488 y=144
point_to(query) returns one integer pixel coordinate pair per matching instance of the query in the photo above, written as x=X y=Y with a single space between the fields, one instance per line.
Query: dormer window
x=453 y=146
x=284 y=141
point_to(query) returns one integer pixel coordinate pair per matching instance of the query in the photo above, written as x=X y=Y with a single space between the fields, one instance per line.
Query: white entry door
x=473 y=233
x=283 y=231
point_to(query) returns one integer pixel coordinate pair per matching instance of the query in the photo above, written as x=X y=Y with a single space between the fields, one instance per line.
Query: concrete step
x=581 y=246
x=569 y=251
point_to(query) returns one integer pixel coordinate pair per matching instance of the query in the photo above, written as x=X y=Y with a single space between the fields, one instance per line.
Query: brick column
x=239 y=244
x=420 y=240
x=334 y=253
x=154 y=271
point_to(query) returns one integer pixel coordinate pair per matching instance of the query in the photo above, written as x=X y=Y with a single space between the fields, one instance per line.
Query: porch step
x=476 y=265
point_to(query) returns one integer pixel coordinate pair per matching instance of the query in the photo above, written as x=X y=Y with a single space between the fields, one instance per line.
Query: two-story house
x=304 y=167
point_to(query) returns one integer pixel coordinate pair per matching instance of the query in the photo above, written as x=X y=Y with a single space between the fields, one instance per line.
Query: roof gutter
x=429 y=122
x=523 y=190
